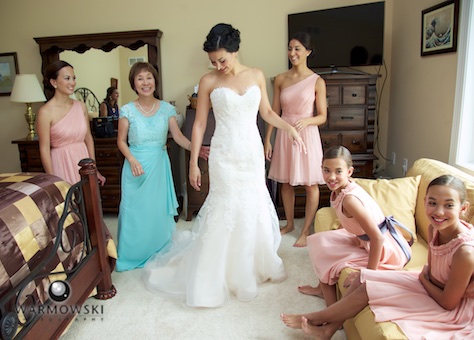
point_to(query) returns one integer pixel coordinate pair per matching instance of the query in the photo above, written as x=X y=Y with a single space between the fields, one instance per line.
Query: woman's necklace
x=145 y=111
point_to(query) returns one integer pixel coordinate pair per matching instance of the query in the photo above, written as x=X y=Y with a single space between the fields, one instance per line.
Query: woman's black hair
x=222 y=36
x=52 y=72
x=110 y=92
x=305 y=40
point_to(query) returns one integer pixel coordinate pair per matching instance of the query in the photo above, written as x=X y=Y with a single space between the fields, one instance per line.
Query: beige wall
x=263 y=25
x=422 y=91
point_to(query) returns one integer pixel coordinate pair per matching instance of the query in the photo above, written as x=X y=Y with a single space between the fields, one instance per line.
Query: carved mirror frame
x=51 y=47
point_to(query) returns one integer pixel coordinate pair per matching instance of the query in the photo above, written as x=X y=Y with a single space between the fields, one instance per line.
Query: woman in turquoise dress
x=148 y=203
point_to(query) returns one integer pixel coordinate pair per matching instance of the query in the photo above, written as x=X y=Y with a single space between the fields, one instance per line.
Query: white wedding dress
x=235 y=238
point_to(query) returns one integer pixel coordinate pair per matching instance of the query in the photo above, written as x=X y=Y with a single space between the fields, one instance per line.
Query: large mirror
x=51 y=47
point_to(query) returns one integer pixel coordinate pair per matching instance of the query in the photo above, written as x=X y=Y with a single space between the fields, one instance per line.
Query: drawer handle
x=104 y=154
x=354 y=95
x=347 y=117
x=355 y=142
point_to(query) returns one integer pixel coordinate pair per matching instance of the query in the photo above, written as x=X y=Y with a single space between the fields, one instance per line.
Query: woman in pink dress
x=436 y=303
x=63 y=127
x=365 y=239
x=296 y=93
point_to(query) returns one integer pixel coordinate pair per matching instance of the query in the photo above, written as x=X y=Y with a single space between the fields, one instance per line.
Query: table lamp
x=27 y=89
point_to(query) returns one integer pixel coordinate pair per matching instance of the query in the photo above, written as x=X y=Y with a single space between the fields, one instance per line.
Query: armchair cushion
x=396 y=197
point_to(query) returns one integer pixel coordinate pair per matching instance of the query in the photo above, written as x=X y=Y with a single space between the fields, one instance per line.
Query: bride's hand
x=297 y=140
x=195 y=177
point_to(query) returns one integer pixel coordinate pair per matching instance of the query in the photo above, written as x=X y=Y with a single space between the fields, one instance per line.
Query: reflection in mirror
x=95 y=68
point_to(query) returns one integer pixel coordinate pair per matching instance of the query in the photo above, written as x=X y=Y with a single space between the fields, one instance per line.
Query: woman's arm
x=353 y=207
x=277 y=108
x=43 y=128
x=270 y=116
x=122 y=144
x=103 y=110
x=199 y=128
x=462 y=271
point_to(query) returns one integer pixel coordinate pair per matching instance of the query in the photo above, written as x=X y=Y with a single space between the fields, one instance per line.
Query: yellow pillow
x=395 y=197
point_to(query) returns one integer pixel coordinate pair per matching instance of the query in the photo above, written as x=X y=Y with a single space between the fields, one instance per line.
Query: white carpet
x=135 y=313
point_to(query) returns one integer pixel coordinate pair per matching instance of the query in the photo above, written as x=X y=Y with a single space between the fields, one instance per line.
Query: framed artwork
x=8 y=71
x=114 y=82
x=439 y=28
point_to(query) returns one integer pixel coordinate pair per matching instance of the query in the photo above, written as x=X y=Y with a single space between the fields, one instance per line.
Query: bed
x=56 y=252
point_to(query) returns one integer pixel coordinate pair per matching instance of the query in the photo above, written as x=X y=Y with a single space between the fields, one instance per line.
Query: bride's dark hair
x=222 y=36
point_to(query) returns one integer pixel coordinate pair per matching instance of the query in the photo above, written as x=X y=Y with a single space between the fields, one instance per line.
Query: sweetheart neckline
x=233 y=91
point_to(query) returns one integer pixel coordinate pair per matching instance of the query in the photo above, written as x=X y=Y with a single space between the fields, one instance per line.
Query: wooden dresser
x=196 y=198
x=109 y=162
x=351 y=123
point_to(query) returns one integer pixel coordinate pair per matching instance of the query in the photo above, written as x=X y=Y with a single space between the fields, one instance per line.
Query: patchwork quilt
x=31 y=205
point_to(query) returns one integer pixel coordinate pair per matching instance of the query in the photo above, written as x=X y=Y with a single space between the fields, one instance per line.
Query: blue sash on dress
x=389 y=224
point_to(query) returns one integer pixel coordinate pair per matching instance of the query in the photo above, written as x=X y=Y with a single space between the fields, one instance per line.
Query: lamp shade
x=27 y=89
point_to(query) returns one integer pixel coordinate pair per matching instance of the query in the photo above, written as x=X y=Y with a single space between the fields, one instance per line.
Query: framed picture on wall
x=8 y=71
x=439 y=28
x=114 y=82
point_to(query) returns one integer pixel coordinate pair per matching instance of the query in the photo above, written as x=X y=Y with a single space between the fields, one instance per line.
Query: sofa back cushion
x=395 y=197
x=430 y=169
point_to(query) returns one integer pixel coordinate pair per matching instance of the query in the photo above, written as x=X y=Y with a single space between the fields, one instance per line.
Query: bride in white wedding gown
x=235 y=238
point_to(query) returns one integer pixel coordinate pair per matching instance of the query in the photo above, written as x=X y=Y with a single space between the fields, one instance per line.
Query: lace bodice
x=152 y=130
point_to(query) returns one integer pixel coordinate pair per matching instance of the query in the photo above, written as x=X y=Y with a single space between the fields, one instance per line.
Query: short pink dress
x=67 y=144
x=398 y=296
x=331 y=251
x=289 y=164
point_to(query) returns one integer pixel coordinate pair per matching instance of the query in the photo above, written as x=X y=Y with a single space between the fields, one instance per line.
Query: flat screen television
x=344 y=36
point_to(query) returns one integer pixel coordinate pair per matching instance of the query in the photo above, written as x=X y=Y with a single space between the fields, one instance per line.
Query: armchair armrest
x=325 y=220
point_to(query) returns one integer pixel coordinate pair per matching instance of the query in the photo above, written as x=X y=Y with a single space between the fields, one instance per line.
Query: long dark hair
x=52 y=72
x=222 y=36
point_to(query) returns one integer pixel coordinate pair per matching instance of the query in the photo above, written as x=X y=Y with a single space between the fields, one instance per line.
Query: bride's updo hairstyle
x=222 y=36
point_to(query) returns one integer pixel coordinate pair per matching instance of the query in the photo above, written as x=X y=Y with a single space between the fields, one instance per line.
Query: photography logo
x=59 y=292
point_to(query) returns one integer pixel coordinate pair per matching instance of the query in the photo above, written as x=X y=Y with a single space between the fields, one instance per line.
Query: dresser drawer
x=110 y=156
x=33 y=159
x=355 y=142
x=330 y=139
x=354 y=95
x=346 y=119
x=362 y=169
x=333 y=95
x=111 y=174
x=110 y=195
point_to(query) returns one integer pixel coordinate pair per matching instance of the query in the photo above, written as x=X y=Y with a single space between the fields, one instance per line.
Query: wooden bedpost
x=93 y=205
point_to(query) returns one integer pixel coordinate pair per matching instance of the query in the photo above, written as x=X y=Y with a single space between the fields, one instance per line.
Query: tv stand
x=334 y=70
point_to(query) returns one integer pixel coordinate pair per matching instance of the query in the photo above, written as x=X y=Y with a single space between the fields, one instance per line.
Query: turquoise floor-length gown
x=148 y=203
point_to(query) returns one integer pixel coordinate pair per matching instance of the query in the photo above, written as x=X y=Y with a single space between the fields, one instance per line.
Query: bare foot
x=301 y=242
x=292 y=320
x=287 y=229
x=321 y=332
x=309 y=290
